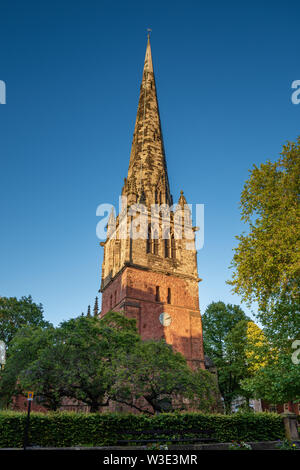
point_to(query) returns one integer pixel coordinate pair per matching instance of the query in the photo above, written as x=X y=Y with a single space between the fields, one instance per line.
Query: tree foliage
x=218 y=322
x=271 y=374
x=277 y=381
x=74 y=360
x=25 y=347
x=15 y=314
x=153 y=378
x=81 y=363
x=247 y=347
x=282 y=320
x=266 y=267
x=266 y=262
x=95 y=361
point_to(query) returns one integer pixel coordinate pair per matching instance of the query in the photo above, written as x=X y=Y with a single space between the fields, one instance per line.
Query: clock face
x=165 y=319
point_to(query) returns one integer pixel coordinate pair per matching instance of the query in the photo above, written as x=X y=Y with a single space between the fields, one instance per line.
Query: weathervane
x=148 y=32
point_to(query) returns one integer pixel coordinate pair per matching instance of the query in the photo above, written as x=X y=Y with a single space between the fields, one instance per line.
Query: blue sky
x=73 y=71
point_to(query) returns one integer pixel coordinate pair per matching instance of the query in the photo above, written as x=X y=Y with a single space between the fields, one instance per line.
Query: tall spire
x=148 y=65
x=147 y=167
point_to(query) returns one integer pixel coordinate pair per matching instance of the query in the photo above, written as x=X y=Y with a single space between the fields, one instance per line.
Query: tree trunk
x=94 y=407
x=227 y=404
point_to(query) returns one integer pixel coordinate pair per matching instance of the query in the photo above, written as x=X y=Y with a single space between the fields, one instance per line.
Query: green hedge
x=66 y=429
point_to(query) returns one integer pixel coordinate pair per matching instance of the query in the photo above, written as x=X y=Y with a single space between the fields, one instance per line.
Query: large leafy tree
x=266 y=267
x=247 y=347
x=204 y=394
x=98 y=360
x=282 y=320
x=246 y=352
x=75 y=360
x=153 y=378
x=235 y=360
x=266 y=262
x=25 y=348
x=17 y=313
x=48 y=374
x=272 y=374
x=277 y=380
x=218 y=321
x=82 y=363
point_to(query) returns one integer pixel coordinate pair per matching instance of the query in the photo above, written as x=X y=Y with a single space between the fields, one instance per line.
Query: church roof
x=147 y=165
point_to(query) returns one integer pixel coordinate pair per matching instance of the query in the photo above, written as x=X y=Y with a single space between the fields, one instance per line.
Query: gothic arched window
x=169 y=296
x=167 y=247
x=155 y=242
x=149 y=240
x=157 y=296
x=173 y=247
x=167 y=242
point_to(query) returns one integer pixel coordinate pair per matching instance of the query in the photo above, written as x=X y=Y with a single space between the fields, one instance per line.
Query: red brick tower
x=152 y=276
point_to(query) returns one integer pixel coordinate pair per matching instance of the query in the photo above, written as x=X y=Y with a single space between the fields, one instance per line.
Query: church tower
x=149 y=269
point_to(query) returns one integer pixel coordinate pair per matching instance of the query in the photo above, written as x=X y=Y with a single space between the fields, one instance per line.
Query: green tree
x=282 y=320
x=266 y=261
x=235 y=366
x=273 y=375
x=204 y=392
x=246 y=352
x=48 y=375
x=78 y=360
x=266 y=267
x=94 y=347
x=278 y=380
x=23 y=350
x=153 y=378
x=218 y=321
x=98 y=360
x=15 y=314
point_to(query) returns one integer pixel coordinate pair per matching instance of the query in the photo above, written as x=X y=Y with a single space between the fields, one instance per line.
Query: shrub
x=66 y=429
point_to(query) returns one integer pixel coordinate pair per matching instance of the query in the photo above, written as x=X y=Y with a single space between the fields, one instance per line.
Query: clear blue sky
x=73 y=71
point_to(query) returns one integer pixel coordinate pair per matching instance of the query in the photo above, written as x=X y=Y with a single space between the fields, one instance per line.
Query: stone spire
x=96 y=308
x=182 y=201
x=182 y=205
x=147 y=171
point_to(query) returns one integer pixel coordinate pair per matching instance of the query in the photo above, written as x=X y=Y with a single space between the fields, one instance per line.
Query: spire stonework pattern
x=147 y=166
